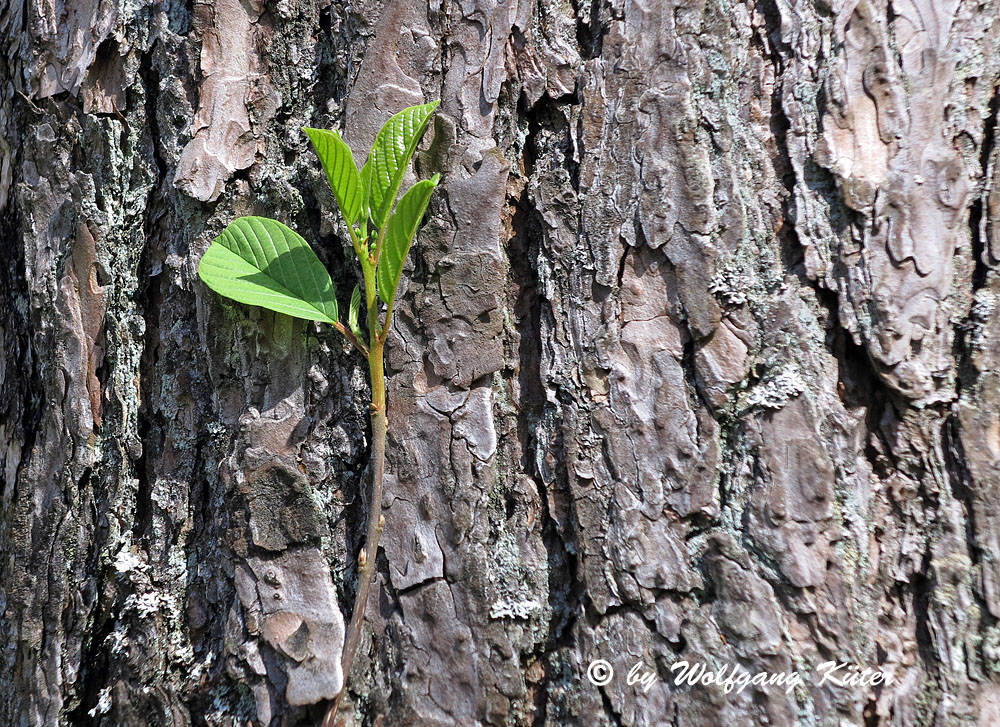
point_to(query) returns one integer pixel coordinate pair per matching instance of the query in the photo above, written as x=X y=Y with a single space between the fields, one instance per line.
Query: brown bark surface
x=697 y=358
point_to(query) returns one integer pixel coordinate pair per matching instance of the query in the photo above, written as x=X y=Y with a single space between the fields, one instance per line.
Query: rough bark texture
x=699 y=359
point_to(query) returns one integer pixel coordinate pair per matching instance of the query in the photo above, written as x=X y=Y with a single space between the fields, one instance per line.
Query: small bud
x=362 y=558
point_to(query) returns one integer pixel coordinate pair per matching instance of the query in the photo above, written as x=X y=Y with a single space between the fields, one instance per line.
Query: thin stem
x=367 y=557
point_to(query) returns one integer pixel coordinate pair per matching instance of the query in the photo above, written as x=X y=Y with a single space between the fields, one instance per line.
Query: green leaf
x=390 y=156
x=352 y=315
x=341 y=171
x=399 y=236
x=260 y=261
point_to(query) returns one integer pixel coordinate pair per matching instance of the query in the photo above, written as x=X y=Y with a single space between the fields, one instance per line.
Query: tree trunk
x=698 y=360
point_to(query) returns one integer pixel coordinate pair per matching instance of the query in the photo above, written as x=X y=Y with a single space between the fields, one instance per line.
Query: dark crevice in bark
x=921 y=587
x=589 y=33
x=333 y=79
x=20 y=403
x=149 y=297
x=859 y=385
x=609 y=709
x=95 y=668
x=960 y=478
x=207 y=599
x=411 y=589
x=21 y=388
x=962 y=348
x=24 y=15
x=106 y=57
x=95 y=664
x=326 y=20
x=523 y=252
x=148 y=422
x=775 y=50
x=980 y=253
x=696 y=394
x=870 y=714
x=963 y=489
x=150 y=76
x=536 y=415
x=549 y=137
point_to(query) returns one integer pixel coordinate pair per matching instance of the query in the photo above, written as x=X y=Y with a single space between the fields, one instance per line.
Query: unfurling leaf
x=390 y=156
x=341 y=171
x=399 y=236
x=259 y=261
x=352 y=314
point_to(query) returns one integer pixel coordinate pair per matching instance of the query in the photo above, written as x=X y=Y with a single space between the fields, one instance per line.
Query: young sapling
x=260 y=261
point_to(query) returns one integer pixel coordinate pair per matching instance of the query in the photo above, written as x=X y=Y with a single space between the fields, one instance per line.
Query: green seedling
x=260 y=261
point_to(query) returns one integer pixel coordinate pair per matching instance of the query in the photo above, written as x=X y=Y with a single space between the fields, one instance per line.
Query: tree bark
x=698 y=359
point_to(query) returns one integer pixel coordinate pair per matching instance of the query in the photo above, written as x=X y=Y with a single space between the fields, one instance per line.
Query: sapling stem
x=366 y=560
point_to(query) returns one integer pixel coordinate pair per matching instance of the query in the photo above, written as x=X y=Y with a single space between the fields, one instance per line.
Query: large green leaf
x=399 y=236
x=262 y=262
x=390 y=155
x=341 y=171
